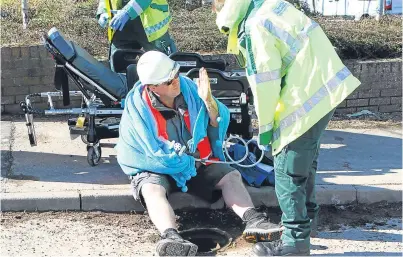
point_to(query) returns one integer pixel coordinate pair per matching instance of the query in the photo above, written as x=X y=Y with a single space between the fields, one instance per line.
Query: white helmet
x=155 y=67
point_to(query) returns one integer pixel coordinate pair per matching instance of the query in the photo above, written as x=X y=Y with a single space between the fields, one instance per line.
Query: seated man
x=167 y=123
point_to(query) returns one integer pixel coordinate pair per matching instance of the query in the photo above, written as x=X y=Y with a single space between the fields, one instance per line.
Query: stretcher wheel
x=84 y=139
x=94 y=155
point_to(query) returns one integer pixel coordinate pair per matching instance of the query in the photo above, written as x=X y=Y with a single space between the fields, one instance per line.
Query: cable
x=232 y=161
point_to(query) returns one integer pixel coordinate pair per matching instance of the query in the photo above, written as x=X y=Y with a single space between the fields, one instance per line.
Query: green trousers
x=133 y=36
x=295 y=168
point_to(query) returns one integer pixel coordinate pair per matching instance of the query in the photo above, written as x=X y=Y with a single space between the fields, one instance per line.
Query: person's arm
x=264 y=77
x=212 y=110
x=129 y=12
x=204 y=90
x=101 y=8
x=135 y=7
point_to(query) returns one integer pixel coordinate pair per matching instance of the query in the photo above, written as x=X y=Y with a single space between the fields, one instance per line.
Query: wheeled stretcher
x=103 y=91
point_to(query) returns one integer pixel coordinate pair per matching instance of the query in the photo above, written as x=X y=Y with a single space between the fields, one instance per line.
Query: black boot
x=278 y=249
x=259 y=228
x=172 y=244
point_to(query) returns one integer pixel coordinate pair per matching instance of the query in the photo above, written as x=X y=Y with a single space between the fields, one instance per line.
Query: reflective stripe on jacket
x=154 y=14
x=294 y=72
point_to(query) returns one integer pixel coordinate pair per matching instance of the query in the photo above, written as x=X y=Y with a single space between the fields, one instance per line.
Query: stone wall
x=381 y=88
x=26 y=70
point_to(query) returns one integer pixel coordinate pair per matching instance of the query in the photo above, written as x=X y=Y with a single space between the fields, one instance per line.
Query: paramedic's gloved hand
x=254 y=143
x=103 y=20
x=264 y=148
x=119 y=20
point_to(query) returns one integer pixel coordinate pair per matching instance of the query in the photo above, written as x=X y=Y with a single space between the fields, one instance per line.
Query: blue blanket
x=140 y=149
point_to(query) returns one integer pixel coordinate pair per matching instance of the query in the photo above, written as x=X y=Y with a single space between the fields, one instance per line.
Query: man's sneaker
x=173 y=244
x=259 y=228
x=278 y=249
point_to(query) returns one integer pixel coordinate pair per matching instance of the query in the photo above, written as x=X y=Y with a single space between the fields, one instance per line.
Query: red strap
x=161 y=122
x=204 y=146
x=186 y=117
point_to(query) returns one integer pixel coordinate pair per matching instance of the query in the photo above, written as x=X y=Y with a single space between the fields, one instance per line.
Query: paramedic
x=297 y=81
x=165 y=112
x=136 y=24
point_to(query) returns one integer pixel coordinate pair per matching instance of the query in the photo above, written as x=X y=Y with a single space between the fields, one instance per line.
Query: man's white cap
x=155 y=67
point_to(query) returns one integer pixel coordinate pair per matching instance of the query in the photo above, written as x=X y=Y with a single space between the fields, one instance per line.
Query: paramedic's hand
x=264 y=148
x=119 y=20
x=103 y=20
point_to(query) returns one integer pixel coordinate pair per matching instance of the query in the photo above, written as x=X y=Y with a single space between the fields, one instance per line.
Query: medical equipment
x=179 y=149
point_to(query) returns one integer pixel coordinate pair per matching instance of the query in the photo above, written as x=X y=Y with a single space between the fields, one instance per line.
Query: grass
x=76 y=20
x=193 y=31
x=365 y=39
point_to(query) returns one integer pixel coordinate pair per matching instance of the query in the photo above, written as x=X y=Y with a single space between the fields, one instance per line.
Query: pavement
x=355 y=166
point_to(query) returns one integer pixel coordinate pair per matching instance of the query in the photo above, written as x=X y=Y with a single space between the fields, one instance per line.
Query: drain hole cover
x=208 y=240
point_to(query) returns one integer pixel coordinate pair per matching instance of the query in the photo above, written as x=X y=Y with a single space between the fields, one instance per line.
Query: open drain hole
x=208 y=240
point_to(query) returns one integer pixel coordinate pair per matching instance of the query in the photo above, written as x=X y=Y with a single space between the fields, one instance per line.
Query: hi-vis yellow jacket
x=154 y=15
x=294 y=72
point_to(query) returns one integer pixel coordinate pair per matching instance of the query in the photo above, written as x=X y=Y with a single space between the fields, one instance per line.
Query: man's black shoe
x=278 y=249
x=173 y=244
x=259 y=228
